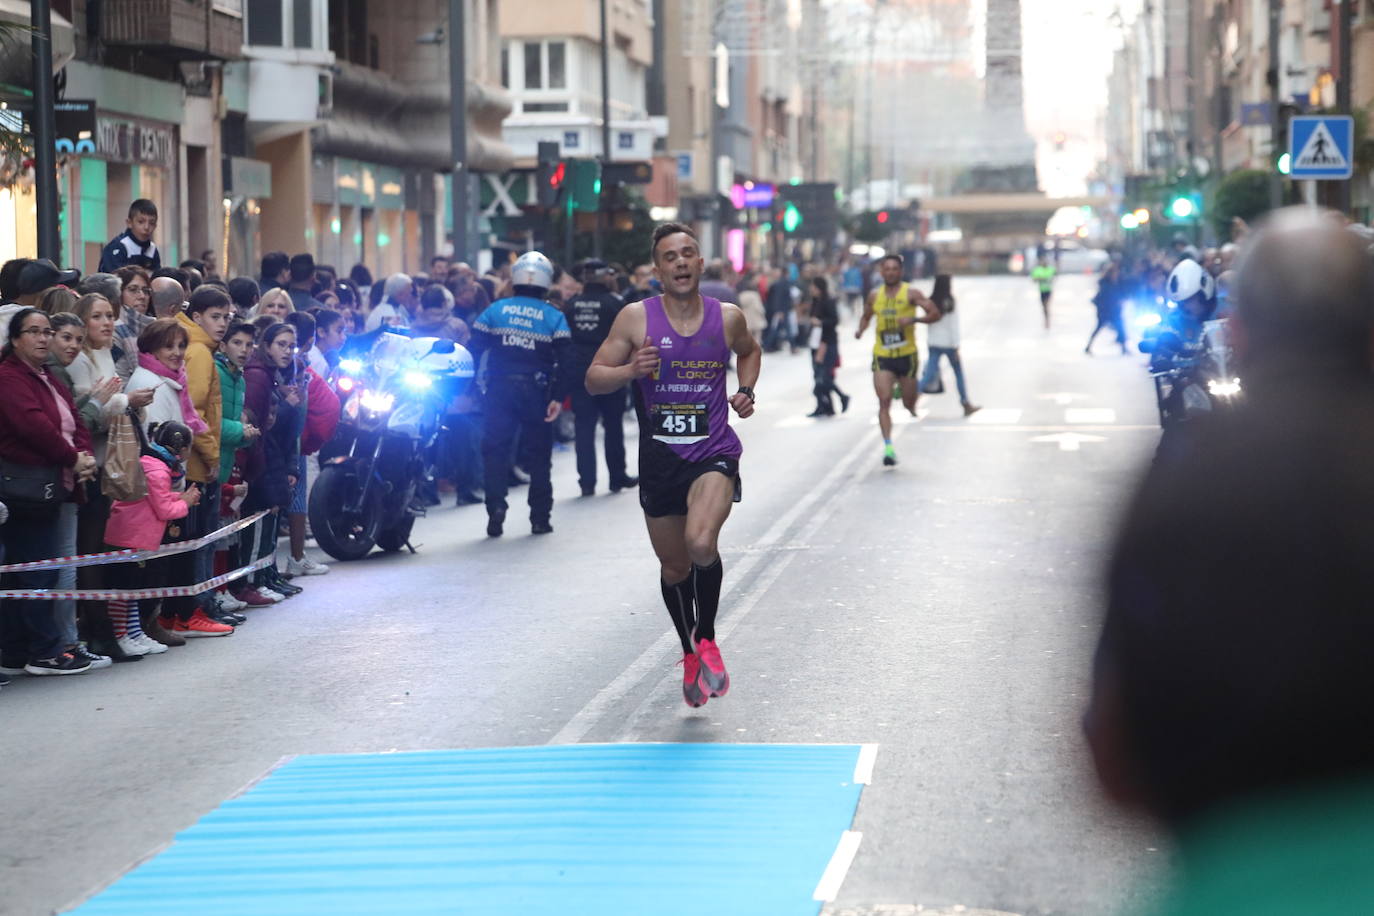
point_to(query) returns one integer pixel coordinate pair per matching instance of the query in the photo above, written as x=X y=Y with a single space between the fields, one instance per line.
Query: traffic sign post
x=1322 y=147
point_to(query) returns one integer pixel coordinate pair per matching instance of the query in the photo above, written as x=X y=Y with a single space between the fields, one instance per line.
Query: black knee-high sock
x=706 y=583
x=678 y=599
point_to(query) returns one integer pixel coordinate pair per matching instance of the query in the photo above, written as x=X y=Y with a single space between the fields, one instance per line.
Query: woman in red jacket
x=40 y=431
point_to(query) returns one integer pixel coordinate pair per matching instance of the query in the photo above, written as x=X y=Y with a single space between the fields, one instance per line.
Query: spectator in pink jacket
x=147 y=524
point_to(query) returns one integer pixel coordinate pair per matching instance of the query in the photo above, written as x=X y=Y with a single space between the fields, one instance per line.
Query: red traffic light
x=560 y=171
x=882 y=216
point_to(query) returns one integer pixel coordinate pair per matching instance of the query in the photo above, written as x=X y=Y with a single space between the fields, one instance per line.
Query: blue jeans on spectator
x=64 y=609
x=933 y=370
x=27 y=629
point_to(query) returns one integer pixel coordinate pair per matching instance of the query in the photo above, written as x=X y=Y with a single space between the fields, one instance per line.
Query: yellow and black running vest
x=892 y=339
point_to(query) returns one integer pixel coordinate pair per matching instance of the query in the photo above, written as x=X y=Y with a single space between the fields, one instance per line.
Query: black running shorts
x=665 y=479
x=900 y=366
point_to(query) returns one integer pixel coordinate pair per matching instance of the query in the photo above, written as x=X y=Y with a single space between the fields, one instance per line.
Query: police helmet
x=1188 y=280
x=532 y=269
x=442 y=357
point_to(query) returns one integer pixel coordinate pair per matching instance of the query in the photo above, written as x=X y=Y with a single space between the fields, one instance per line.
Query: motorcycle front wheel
x=343 y=534
x=395 y=538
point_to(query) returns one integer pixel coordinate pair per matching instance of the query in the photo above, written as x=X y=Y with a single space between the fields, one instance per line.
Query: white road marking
x=863 y=767
x=1089 y=416
x=654 y=657
x=1062 y=398
x=996 y=416
x=1069 y=442
x=845 y=850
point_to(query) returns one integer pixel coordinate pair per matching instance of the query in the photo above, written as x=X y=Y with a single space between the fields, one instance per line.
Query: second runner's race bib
x=681 y=424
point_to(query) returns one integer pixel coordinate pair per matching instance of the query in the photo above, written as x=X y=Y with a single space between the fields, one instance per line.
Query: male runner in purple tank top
x=675 y=349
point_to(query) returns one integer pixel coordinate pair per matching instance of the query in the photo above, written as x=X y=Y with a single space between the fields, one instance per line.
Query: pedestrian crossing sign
x=1322 y=147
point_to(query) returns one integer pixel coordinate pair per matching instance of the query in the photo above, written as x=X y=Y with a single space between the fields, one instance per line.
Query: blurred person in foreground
x=1236 y=662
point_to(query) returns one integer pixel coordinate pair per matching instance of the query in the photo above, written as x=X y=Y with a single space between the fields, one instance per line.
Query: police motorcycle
x=393 y=408
x=1191 y=360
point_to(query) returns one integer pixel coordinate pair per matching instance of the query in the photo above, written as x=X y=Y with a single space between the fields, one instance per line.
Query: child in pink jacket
x=144 y=524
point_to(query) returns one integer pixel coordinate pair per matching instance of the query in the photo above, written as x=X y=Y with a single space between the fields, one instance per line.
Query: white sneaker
x=130 y=646
x=152 y=645
x=268 y=593
x=304 y=567
x=227 y=602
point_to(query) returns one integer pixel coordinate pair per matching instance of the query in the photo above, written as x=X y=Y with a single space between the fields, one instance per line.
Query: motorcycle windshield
x=389 y=354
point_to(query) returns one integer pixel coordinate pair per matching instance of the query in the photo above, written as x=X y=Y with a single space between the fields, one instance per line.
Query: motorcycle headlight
x=1147 y=320
x=351 y=366
x=1221 y=388
x=416 y=380
x=377 y=401
x=346 y=384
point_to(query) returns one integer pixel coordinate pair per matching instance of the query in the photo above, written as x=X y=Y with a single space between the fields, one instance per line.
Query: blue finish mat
x=607 y=829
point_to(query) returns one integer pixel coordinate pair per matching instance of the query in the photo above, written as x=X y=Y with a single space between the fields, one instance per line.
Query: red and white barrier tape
x=131 y=555
x=134 y=594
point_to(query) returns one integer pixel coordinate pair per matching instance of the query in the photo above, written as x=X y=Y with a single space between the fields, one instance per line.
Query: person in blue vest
x=528 y=340
x=135 y=244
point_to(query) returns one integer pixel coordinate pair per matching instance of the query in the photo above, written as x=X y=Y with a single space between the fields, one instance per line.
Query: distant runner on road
x=675 y=349
x=895 y=361
x=1043 y=276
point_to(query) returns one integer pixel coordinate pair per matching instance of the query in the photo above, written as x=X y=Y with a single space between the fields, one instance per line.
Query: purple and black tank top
x=683 y=406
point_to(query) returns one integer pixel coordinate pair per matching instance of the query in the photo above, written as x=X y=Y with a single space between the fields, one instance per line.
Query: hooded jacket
x=203 y=378
x=233 y=388
x=273 y=456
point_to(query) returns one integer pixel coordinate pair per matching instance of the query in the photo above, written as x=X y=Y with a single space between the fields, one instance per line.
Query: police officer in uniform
x=590 y=315
x=528 y=340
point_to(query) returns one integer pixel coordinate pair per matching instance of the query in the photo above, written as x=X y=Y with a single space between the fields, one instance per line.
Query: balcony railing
x=181 y=29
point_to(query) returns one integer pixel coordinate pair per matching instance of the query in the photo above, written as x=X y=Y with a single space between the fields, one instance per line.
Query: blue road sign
x=1322 y=147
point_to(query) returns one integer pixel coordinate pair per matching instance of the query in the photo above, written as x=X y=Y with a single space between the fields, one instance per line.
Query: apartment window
x=537 y=107
x=555 y=53
x=544 y=64
x=265 y=23
x=534 y=75
x=505 y=66
x=301 y=31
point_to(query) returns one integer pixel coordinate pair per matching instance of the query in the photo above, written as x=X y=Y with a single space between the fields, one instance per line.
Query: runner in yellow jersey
x=895 y=305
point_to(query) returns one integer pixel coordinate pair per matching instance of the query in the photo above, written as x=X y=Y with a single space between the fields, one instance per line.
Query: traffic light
x=584 y=184
x=549 y=175
x=1181 y=208
x=791 y=218
x=882 y=217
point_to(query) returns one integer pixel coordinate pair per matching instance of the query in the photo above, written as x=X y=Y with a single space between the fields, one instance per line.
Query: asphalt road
x=944 y=609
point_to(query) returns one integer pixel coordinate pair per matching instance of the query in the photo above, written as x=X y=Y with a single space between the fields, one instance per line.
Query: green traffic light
x=1182 y=208
x=791 y=218
x=1286 y=164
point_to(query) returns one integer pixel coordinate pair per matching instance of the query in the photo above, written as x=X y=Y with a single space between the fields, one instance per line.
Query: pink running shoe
x=691 y=675
x=715 y=680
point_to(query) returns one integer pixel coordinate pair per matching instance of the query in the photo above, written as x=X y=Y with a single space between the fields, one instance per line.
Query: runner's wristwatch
x=747 y=391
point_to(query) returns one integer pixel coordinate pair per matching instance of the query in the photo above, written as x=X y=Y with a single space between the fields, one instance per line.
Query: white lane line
x=863 y=768
x=845 y=850
x=1089 y=416
x=996 y=416
x=653 y=657
x=648 y=707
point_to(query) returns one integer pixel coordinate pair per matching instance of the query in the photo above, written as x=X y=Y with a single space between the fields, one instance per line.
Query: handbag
x=122 y=479
x=31 y=487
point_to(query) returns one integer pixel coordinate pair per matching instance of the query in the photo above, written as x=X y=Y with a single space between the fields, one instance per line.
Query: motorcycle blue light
x=351 y=366
x=414 y=379
x=377 y=401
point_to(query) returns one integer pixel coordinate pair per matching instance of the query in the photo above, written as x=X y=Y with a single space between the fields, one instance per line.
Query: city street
x=944 y=610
